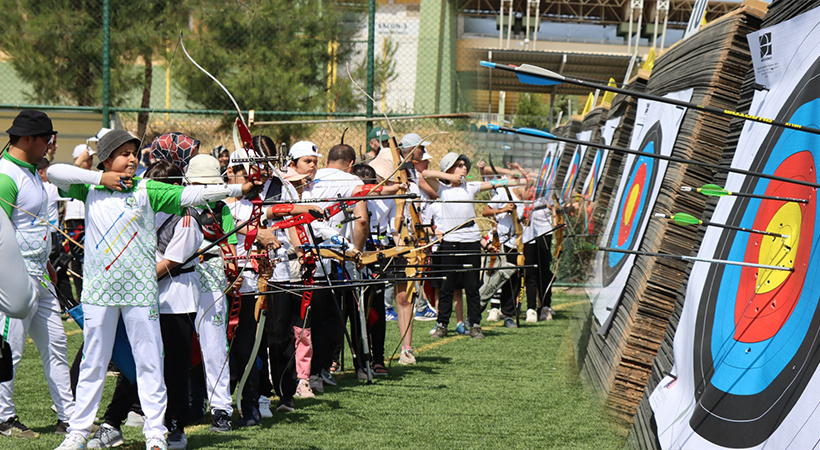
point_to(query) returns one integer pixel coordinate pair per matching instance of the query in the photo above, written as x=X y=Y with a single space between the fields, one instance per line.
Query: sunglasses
x=49 y=138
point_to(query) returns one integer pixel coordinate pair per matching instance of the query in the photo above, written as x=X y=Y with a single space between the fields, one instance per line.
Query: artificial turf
x=518 y=388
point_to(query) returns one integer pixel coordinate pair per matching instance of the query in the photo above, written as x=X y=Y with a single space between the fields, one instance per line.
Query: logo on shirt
x=217 y=320
x=153 y=313
x=130 y=202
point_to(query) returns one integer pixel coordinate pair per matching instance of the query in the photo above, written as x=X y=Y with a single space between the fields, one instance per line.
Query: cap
x=447 y=161
x=378 y=133
x=99 y=134
x=411 y=140
x=204 y=169
x=31 y=122
x=426 y=156
x=176 y=148
x=78 y=150
x=112 y=141
x=303 y=148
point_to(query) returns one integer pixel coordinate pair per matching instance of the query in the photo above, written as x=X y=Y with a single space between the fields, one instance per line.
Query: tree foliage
x=270 y=54
x=533 y=110
x=57 y=46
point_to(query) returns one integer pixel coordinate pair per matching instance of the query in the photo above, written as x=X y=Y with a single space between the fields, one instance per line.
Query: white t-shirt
x=74 y=210
x=540 y=221
x=432 y=215
x=53 y=207
x=382 y=219
x=241 y=211
x=506 y=227
x=281 y=268
x=455 y=214
x=331 y=183
x=179 y=294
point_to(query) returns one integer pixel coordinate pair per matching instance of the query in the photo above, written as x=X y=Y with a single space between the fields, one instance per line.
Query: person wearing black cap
x=121 y=275
x=23 y=195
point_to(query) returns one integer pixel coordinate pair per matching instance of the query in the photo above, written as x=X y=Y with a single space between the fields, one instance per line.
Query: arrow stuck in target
x=591 y=247
x=684 y=219
x=713 y=190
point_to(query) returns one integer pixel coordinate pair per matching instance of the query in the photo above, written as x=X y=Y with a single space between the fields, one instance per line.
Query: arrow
x=713 y=190
x=534 y=133
x=684 y=219
x=686 y=258
x=529 y=74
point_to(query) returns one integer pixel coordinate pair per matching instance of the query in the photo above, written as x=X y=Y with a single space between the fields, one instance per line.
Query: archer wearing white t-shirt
x=461 y=235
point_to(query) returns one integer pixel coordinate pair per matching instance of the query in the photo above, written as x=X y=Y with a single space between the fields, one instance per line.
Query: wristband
x=496 y=182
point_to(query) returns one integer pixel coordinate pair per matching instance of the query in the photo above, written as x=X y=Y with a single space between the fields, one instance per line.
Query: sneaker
x=433 y=331
x=461 y=328
x=426 y=315
x=547 y=313
x=532 y=316
x=176 y=436
x=106 y=436
x=494 y=315
x=390 y=315
x=316 y=384
x=264 y=407
x=252 y=418
x=408 y=357
x=361 y=374
x=155 y=443
x=327 y=378
x=134 y=419
x=14 y=428
x=440 y=331
x=62 y=428
x=74 y=441
x=509 y=322
x=286 y=406
x=303 y=390
x=220 y=421
x=475 y=332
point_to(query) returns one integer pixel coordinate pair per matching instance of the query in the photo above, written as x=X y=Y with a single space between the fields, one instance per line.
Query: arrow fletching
x=684 y=219
x=713 y=190
x=587 y=246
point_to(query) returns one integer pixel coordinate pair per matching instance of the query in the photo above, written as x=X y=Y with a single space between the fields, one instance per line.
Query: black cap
x=112 y=141
x=31 y=122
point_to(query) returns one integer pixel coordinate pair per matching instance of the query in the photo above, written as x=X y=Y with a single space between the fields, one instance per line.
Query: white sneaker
x=155 y=443
x=134 y=420
x=407 y=358
x=74 y=441
x=494 y=315
x=303 y=390
x=264 y=407
x=532 y=316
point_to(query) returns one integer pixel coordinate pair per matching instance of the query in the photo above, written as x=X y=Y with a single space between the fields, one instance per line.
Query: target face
x=572 y=173
x=633 y=205
x=757 y=331
x=592 y=178
x=540 y=190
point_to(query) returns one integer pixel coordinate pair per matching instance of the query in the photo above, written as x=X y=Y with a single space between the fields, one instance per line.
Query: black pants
x=283 y=313
x=510 y=290
x=467 y=280
x=536 y=279
x=326 y=330
x=240 y=354
x=177 y=337
x=374 y=301
x=123 y=400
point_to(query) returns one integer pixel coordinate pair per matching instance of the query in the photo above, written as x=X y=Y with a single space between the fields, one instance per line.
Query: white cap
x=78 y=150
x=99 y=134
x=204 y=169
x=412 y=140
x=238 y=155
x=303 y=148
x=448 y=161
x=426 y=156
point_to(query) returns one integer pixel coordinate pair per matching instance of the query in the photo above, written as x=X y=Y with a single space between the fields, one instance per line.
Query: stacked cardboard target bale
x=713 y=63
x=643 y=434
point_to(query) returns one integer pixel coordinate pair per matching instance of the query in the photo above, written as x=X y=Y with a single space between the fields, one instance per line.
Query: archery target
x=758 y=331
x=596 y=171
x=572 y=173
x=655 y=132
x=747 y=347
x=541 y=185
x=592 y=179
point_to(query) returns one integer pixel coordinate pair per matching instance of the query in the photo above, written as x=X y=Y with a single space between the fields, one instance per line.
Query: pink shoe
x=303 y=390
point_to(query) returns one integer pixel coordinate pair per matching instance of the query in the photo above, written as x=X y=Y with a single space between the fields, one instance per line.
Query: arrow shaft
x=693 y=258
x=662 y=157
x=769 y=197
x=746 y=230
x=658 y=98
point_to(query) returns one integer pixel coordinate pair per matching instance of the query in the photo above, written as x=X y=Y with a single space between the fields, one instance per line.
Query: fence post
x=106 y=63
x=371 y=59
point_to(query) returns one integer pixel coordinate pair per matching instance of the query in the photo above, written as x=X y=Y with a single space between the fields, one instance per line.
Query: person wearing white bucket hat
x=451 y=184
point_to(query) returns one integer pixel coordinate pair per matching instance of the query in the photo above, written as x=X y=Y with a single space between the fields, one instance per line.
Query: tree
x=57 y=46
x=533 y=110
x=270 y=54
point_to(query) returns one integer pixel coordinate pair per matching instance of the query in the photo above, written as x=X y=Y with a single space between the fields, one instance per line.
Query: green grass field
x=515 y=389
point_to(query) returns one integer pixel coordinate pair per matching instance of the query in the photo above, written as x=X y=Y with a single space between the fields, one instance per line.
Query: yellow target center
x=777 y=251
x=630 y=204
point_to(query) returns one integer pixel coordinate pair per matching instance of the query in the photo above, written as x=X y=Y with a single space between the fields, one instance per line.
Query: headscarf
x=176 y=148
